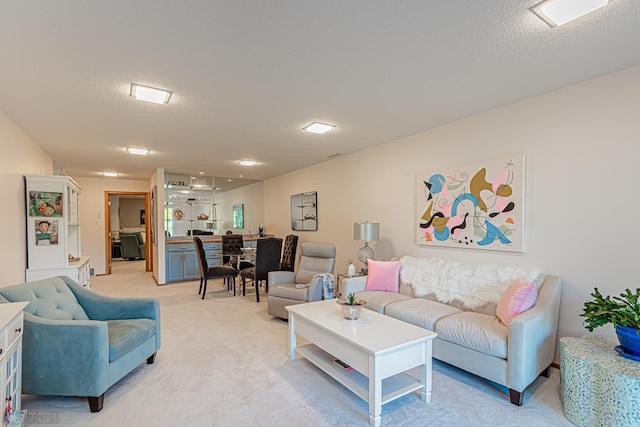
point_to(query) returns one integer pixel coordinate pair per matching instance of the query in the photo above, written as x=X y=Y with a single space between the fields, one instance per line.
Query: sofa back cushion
x=49 y=298
x=469 y=287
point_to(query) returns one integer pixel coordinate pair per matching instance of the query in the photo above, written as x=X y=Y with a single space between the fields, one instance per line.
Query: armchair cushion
x=125 y=335
x=49 y=299
x=290 y=291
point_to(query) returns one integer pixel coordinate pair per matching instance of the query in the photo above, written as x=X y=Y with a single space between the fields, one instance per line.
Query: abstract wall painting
x=475 y=206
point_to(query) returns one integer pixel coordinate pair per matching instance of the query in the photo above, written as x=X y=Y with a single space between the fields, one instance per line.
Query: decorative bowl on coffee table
x=351 y=311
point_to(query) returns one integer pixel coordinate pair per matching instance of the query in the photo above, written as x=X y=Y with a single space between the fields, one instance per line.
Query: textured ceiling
x=248 y=75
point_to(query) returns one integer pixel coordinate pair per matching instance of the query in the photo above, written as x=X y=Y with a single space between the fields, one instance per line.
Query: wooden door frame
x=107 y=227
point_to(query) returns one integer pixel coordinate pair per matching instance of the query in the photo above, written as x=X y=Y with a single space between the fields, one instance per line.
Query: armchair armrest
x=278 y=277
x=74 y=351
x=101 y=307
x=352 y=285
x=315 y=289
x=532 y=336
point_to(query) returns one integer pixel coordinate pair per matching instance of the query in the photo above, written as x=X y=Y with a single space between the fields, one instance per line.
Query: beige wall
x=92 y=214
x=252 y=196
x=130 y=212
x=582 y=151
x=19 y=156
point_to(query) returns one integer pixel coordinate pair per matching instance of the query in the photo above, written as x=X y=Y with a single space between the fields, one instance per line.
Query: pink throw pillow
x=519 y=297
x=383 y=276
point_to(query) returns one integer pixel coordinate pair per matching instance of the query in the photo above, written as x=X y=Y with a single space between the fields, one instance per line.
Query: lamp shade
x=367 y=231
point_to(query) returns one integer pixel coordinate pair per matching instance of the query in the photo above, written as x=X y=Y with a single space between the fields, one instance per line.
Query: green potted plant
x=623 y=312
x=351 y=306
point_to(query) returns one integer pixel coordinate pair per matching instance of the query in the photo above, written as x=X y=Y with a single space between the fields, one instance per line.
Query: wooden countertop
x=206 y=238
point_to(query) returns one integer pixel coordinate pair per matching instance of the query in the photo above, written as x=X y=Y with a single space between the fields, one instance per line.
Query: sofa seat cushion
x=290 y=291
x=127 y=334
x=378 y=300
x=477 y=331
x=420 y=312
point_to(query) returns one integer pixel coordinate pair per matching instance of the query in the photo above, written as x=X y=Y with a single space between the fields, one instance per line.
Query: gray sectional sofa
x=470 y=336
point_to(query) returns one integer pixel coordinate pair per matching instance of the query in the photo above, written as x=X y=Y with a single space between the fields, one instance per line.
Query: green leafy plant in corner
x=623 y=310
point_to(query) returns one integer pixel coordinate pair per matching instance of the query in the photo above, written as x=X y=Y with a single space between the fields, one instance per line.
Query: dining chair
x=217 y=272
x=267 y=259
x=289 y=253
x=232 y=245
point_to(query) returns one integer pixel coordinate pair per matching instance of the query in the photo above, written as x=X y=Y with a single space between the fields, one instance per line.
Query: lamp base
x=364 y=271
x=365 y=253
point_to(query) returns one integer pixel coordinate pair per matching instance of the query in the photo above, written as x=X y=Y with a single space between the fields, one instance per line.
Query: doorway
x=127 y=212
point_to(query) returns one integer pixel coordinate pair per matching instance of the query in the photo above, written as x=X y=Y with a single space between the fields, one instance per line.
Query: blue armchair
x=79 y=343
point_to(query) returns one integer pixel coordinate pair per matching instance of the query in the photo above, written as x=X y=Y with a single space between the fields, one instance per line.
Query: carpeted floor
x=223 y=362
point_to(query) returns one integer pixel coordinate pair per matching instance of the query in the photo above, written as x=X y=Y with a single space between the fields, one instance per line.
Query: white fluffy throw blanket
x=448 y=281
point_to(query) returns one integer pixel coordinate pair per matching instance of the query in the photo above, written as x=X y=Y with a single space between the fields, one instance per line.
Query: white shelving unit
x=188 y=205
x=53 y=229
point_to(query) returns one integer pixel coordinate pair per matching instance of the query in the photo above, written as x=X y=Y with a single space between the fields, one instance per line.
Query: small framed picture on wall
x=46 y=232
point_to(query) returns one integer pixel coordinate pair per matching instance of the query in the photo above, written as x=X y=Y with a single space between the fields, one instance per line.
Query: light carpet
x=224 y=362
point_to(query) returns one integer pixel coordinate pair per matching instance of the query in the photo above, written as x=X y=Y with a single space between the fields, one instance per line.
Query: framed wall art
x=474 y=206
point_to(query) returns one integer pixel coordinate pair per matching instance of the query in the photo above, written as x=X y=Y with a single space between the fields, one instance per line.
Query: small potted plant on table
x=351 y=306
x=623 y=312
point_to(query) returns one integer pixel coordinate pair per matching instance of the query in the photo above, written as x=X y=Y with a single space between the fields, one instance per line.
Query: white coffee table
x=379 y=348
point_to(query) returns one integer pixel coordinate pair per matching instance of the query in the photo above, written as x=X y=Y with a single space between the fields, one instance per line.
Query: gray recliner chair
x=299 y=287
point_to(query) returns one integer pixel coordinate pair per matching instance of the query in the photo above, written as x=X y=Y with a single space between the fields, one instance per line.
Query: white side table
x=598 y=387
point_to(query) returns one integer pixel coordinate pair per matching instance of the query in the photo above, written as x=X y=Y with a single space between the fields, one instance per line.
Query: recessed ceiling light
x=138 y=151
x=111 y=174
x=559 y=12
x=247 y=162
x=318 y=128
x=150 y=94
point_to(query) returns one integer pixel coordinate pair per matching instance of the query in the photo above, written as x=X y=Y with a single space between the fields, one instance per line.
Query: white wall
x=92 y=214
x=19 y=156
x=252 y=196
x=130 y=212
x=582 y=151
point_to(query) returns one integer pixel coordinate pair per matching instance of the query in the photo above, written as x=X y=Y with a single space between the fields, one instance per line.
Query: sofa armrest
x=65 y=357
x=352 y=285
x=279 y=277
x=101 y=307
x=532 y=336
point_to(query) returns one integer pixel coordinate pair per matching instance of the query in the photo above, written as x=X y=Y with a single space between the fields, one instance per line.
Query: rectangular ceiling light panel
x=150 y=94
x=559 y=12
x=318 y=128
x=138 y=151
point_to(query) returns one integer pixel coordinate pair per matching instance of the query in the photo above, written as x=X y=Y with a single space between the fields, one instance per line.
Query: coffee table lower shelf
x=392 y=388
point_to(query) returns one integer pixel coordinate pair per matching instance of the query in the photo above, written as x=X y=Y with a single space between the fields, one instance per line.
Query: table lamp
x=369 y=232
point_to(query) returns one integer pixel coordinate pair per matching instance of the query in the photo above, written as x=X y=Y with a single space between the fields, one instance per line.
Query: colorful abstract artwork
x=477 y=206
